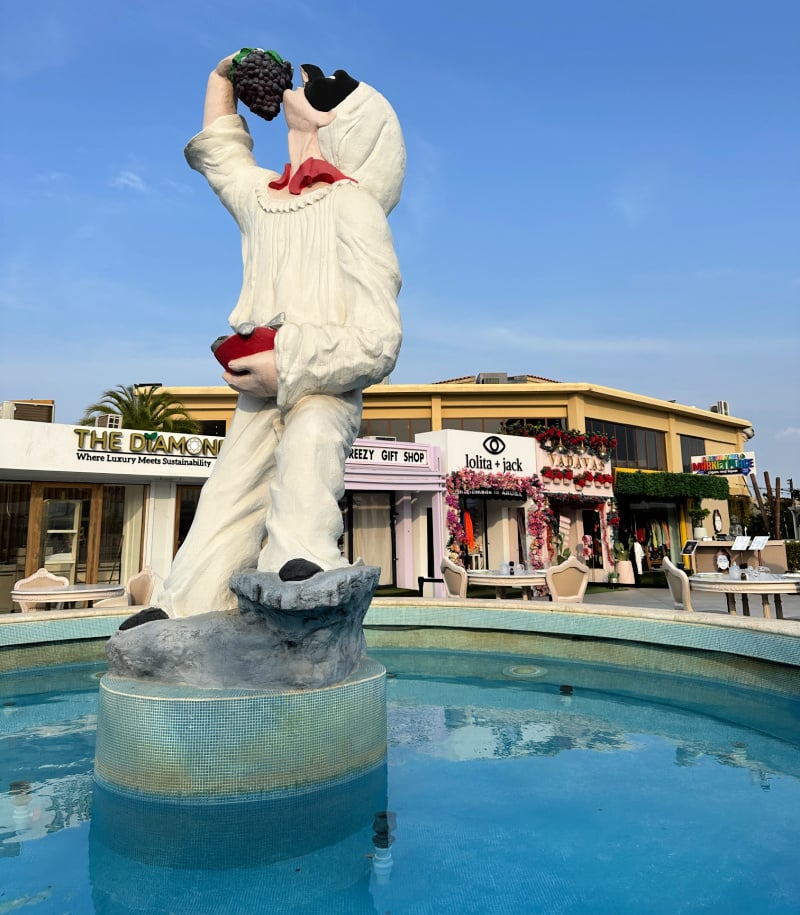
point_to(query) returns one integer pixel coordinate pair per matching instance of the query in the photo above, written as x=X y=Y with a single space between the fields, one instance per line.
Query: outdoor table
x=67 y=594
x=501 y=581
x=764 y=584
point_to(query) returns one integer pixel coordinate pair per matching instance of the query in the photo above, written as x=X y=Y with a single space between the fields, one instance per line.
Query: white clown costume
x=321 y=267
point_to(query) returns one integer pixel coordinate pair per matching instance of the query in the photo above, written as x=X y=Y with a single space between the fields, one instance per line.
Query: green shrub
x=671 y=485
x=793 y=555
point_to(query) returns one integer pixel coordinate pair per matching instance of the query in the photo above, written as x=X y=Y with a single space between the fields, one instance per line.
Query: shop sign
x=463 y=450
x=496 y=493
x=743 y=463
x=574 y=462
x=370 y=452
x=124 y=447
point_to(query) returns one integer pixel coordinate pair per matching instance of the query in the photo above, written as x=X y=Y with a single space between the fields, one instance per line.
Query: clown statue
x=320 y=285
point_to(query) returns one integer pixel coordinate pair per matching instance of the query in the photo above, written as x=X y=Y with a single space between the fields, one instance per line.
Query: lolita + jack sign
x=743 y=463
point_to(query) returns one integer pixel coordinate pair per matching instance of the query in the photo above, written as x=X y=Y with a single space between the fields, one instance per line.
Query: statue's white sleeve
x=223 y=154
x=362 y=349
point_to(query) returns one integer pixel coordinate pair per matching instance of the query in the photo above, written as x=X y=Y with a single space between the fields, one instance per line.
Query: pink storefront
x=513 y=499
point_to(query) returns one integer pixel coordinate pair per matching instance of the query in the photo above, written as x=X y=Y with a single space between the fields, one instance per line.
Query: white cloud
x=130 y=180
x=790 y=433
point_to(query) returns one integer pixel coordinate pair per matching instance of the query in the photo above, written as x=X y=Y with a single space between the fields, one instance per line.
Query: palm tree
x=144 y=408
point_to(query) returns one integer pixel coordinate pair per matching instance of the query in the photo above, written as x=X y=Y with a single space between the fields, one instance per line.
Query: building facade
x=462 y=466
x=98 y=504
x=651 y=436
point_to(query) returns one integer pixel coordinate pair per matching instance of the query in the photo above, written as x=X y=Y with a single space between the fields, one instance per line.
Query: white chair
x=455 y=578
x=138 y=592
x=678 y=582
x=567 y=581
x=40 y=580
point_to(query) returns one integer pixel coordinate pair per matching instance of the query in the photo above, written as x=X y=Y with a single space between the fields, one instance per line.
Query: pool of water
x=512 y=785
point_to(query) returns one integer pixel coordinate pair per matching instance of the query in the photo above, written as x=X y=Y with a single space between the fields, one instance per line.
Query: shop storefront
x=97 y=505
x=393 y=510
x=515 y=499
x=655 y=508
x=94 y=505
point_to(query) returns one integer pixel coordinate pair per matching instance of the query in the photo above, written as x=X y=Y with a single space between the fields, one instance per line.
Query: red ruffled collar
x=310 y=172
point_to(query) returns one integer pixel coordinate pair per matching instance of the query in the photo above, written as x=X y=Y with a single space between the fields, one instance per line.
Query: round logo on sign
x=494 y=445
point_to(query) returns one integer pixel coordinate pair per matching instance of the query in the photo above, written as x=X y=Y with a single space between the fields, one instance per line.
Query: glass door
x=60 y=538
x=64 y=530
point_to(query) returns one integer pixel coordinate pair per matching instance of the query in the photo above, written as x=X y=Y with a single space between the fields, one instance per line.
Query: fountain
x=244 y=694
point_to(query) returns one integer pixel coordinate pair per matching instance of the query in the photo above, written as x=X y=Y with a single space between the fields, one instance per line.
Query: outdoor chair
x=138 y=591
x=678 y=582
x=40 y=580
x=567 y=581
x=455 y=578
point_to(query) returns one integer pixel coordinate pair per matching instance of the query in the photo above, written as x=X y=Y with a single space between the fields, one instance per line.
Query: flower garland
x=538 y=515
x=565 y=441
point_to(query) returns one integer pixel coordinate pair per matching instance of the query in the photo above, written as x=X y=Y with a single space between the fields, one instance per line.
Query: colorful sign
x=743 y=463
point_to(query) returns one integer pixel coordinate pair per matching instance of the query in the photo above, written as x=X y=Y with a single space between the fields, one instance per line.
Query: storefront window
x=638 y=448
x=403 y=430
x=654 y=527
x=187 y=499
x=111 y=527
x=690 y=447
x=370 y=532
x=14 y=508
x=472 y=424
x=591 y=545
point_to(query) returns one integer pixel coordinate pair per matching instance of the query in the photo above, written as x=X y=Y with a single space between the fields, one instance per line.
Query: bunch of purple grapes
x=260 y=79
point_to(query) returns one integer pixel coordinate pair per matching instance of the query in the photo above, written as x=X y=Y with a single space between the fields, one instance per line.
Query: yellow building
x=652 y=435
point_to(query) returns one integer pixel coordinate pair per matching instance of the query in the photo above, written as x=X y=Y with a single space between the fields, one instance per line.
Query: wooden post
x=760 y=501
x=774 y=502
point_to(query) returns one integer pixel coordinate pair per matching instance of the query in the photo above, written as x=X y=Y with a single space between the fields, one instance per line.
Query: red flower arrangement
x=566 y=441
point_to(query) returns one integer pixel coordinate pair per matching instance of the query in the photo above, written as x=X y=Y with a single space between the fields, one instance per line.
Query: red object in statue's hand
x=237 y=345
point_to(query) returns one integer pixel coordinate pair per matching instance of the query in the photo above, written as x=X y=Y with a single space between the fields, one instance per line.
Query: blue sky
x=599 y=190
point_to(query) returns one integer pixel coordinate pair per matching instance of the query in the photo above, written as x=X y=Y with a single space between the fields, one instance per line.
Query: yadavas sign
x=743 y=463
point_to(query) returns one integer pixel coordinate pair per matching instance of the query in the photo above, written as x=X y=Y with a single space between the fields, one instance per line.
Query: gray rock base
x=295 y=634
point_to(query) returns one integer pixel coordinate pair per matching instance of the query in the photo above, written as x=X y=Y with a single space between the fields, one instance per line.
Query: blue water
x=512 y=785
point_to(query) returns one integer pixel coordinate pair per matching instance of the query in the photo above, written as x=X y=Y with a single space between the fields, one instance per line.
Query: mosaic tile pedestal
x=171 y=742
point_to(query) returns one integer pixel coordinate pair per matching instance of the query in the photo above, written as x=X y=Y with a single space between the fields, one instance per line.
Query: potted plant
x=698 y=514
x=623 y=567
x=619 y=552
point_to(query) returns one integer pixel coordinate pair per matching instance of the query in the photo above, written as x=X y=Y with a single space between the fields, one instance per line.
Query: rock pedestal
x=286 y=634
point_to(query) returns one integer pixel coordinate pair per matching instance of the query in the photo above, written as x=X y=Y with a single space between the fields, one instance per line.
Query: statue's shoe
x=144 y=616
x=298 y=570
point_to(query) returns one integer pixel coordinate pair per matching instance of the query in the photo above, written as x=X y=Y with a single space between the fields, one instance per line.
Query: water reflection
x=147 y=856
